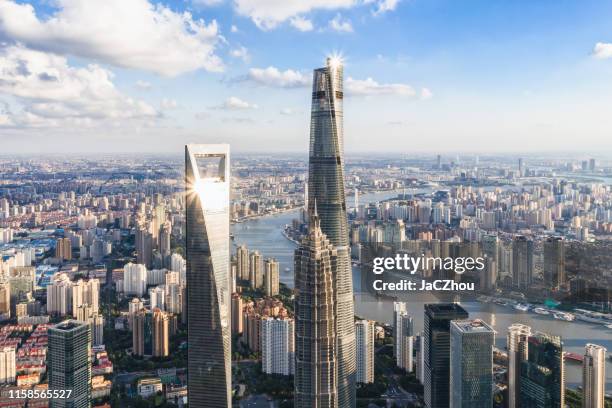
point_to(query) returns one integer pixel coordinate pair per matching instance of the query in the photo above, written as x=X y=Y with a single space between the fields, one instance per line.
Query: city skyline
x=498 y=77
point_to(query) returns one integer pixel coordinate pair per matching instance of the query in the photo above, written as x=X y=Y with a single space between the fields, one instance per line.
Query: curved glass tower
x=207 y=184
x=326 y=191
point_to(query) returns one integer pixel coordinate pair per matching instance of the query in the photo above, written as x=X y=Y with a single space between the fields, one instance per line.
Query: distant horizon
x=575 y=155
x=484 y=76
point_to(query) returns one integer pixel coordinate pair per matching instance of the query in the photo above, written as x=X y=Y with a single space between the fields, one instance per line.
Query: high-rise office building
x=471 y=364
x=517 y=346
x=407 y=344
x=437 y=351
x=315 y=381
x=522 y=261
x=7 y=365
x=144 y=246
x=543 y=373
x=364 y=340
x=277 y=346
x=68 y=363
x=255 y=270
x=164 y=239
x=326 y=192
x=271 y=277
x=593 y=376
x=403 y=337
x=554 y=262
x=207 y=183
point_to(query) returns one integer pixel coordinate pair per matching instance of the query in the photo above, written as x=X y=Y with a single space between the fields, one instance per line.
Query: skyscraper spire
x=326 y=199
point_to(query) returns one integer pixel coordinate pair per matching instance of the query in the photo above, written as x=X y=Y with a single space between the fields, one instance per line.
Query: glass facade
x=68 y=363
x=315 y=335
x=437 y=351
x=208 y=277
x=326 y=191
x=471 y=364
x=543 y=374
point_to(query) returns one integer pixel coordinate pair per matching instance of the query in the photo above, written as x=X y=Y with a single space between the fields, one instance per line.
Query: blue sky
x=421 y=76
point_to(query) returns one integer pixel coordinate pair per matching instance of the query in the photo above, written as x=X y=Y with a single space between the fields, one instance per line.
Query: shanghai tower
x=207 y=180
x=326 y=192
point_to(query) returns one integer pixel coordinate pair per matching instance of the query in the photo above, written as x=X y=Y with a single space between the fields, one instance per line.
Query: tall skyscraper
x=403 y=337
x=364 y=340
x=593 y=376
x=134 y=279
x=543 y=373
x=517 y=353
x=207 y=183
x=144 y=246
x=161 y=333
x=315 y=379
x=242 y=262
x=471 y=364
x=437 y=351
x=271 y=277
x=522 y=261
x=68 y=363
x=326 y=192
x=255 y=270
x=554 y=262
x=277 y=346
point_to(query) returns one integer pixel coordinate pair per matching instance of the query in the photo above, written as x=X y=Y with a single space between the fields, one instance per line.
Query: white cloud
x=235 y=103
x=268 y=14
x=132 y=34
x=301 y=23
x=383 y=6
x=52 y=93
x=602 y=50
x=287 y=111
x=426 y=93
x=367 y=87
x=234 y=29
x=143 y=85
x=168 y=104
x=202 y=115
x=273 y=77
x=343 y=26
x=240 y=52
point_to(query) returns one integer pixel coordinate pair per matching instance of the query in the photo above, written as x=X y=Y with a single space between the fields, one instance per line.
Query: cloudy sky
x=420 y=75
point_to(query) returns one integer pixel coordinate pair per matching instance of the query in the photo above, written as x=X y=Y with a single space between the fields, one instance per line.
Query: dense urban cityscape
x=124 y=284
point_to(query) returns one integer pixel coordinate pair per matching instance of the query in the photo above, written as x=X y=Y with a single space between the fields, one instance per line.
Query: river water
x=264 y=234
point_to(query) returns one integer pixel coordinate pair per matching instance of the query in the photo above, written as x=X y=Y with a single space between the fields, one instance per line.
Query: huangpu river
x=264 y=234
